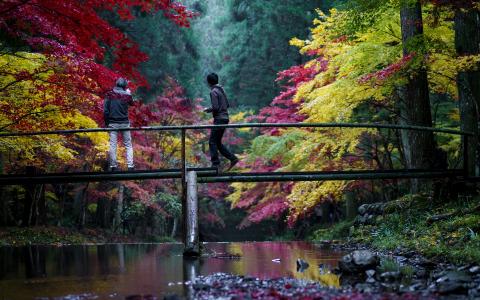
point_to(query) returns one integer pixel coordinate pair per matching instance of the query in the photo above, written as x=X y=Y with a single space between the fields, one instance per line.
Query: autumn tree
x=360 y=64
x=467 y=45
x=57 y=58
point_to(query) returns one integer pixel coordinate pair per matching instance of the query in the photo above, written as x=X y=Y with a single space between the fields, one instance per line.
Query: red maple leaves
x=389 y=71
x=283 y=109
x=80 y=40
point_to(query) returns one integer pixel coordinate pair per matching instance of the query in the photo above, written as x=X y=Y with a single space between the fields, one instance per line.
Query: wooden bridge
x=190 y=176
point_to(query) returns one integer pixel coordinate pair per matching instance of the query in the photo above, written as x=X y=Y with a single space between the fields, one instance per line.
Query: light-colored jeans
x=127 y=141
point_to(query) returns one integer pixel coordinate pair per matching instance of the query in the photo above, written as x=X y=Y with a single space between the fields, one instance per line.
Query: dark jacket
x=116 y=105
x=220 y=103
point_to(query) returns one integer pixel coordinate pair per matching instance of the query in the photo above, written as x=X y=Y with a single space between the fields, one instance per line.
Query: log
x=441 y=217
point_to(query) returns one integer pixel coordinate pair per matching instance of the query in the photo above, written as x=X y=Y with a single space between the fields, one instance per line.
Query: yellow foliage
x=337 y=92
x=240 y=118
x=306 y=195
x=26 y=99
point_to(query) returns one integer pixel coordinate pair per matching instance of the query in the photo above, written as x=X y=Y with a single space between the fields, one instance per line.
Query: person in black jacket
x=115 y=115
x=219 y=110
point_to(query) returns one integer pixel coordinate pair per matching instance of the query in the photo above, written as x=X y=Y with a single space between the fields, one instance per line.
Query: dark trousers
x=216 y=145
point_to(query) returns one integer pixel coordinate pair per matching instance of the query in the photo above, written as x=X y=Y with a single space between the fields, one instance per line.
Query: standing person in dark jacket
x=115 y=115
x=219 y=110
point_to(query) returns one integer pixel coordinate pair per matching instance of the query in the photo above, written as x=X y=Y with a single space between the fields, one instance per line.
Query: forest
x=399 y=62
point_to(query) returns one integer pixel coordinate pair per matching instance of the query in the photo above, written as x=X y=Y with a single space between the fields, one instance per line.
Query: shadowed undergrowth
x=407 y=223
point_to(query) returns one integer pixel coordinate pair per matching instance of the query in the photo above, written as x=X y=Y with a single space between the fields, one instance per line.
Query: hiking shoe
x=233 y=163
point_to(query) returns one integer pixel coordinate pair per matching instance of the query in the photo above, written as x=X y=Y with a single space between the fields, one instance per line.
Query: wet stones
x=474 y=270
x=391 y=276
x=403 y=271
x=358 y=261
x=369 y=212
x=452 y=282
x=225 y=286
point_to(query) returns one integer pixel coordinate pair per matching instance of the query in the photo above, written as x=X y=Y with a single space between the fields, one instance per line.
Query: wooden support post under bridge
x=191 y=231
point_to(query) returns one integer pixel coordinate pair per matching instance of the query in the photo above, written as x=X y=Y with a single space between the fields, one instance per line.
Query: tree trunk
x=102 y=213
x=27 y=204
x=34 y=201
x=80 y=206
x=351 y=205
x=41 y=207
x=467 y=42
x=415 y=103
x=118 y=211
x=3 y=208
x=174 y=227
x=61 y=193
x=3 y=198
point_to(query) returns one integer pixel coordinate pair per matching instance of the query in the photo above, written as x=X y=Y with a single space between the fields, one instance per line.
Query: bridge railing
x=184 y=128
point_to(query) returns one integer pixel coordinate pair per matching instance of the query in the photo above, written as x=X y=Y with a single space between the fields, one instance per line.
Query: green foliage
x=276 y=147
x=405 y=225
x=171 y=203
x=40 y=236
x=133 y=211
x=286 y=236
x=246 y=43
x=357 y=53
x=92 y=208
x=390 y=265
x=159 y=239
x=340 y=230
x=456 y=238
x=172 y=51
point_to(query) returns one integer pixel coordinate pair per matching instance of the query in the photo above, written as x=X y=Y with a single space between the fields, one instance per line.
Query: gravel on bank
x=232 y=287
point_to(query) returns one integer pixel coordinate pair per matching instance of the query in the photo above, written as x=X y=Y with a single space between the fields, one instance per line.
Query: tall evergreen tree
x=467 y=42
x=249 y=44
x=414 y=99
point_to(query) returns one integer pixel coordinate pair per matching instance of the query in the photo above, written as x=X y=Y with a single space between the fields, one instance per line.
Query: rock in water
x=302 y=265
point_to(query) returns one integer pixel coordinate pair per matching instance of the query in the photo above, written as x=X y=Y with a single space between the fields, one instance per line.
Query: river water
x=116 y=271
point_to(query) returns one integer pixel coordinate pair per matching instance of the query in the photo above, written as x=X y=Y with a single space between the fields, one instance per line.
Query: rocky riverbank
x=364 y=274
x=224 y=286
x=404 y=271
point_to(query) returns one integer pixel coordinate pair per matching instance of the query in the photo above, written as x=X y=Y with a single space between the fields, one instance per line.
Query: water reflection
x=117 y=271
